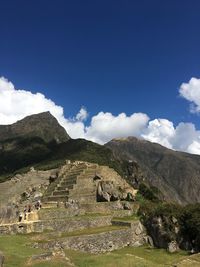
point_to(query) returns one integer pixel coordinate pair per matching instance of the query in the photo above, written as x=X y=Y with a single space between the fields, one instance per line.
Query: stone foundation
x=60 y=225
x=59 y=213
x=102 y=242
x=114 y=207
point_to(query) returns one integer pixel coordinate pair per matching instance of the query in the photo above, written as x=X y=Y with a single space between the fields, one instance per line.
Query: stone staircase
x=79 y=181
x=74 y=182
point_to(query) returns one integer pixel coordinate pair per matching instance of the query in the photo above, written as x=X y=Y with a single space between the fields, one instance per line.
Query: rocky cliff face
x=175 y=174
x=42 y=125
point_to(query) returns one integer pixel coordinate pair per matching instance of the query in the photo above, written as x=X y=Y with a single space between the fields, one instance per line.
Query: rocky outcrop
x=107 y=191
x=164 y=232
x=173 y=247
x=167 y=233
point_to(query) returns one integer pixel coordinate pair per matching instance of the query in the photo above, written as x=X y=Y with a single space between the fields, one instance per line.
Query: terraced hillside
x=74 y=229
x=80 y=181
x=83 y=246
x=72 y=218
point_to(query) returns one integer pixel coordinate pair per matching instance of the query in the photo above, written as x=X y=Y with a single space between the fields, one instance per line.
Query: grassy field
x=18 y=251
x=128 y=257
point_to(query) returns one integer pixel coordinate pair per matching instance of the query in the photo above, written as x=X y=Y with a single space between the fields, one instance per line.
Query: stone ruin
x=87 y=182
x=83 y=195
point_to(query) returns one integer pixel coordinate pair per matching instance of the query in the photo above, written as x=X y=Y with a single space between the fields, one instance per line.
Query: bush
x=148 y=193
x=190 y=224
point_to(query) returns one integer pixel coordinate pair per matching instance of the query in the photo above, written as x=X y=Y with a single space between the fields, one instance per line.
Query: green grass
x=127 y=257
x=17 y=250
x=54 y=263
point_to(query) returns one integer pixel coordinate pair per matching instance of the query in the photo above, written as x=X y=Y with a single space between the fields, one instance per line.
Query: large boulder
x=157 y=230
x=108 y=191
x=165 y=233
x=173 y=247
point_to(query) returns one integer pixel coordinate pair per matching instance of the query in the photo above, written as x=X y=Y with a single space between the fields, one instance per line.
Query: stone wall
x=61 y=225
x=108 y=174
x=116 y=208
x=102 y=242
x=11 y=191
x=70 y=225
x=59 y=213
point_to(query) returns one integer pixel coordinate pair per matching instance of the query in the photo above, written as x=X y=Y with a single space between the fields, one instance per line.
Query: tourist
x=29 y=208
x=25 y=210
x=20 y=216
x=38 y=205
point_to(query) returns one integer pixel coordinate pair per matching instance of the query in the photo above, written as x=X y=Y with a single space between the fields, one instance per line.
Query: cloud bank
x=16 y=104
x=191 y=92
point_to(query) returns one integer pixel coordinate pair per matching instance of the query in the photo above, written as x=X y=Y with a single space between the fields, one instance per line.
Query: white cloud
x=160 y=131
x=191 y=92
x=82 y=115
x=17 y=104
x=194 y=148
x=105 y=126
x=183 y=137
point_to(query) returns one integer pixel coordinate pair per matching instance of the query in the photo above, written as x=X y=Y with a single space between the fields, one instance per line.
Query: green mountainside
x=40 y=141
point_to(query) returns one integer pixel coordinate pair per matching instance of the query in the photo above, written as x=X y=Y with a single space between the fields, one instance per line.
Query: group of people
x=28 y=209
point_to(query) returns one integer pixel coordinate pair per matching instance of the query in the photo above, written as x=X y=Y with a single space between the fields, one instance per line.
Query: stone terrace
x=72 y=218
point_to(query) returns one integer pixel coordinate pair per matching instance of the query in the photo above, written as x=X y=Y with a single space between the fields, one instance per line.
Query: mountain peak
x=43 y=125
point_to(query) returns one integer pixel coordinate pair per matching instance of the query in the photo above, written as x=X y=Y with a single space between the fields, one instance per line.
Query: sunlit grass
x=18 y=251
x=128 y=257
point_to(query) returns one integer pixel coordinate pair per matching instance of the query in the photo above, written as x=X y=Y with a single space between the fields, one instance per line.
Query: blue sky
x=111 y=56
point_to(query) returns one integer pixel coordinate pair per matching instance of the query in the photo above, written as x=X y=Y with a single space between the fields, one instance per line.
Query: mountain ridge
x=176 y=174
x=39 y=140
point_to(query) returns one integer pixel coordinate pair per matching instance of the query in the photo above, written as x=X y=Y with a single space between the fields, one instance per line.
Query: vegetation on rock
x=167 y=222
